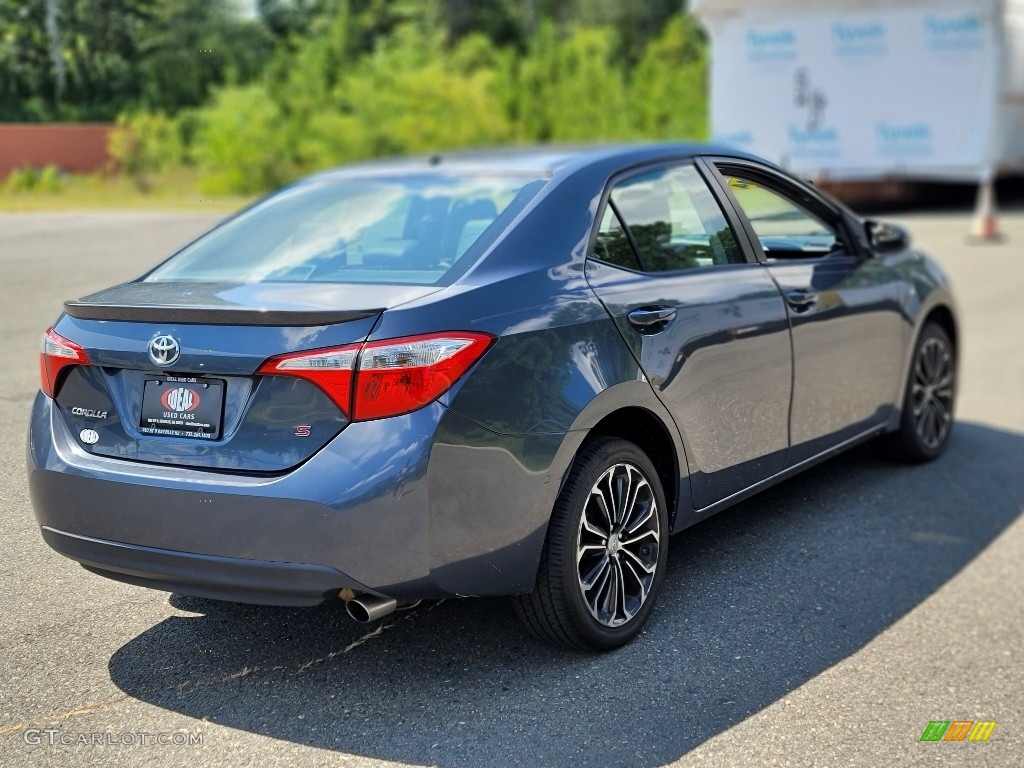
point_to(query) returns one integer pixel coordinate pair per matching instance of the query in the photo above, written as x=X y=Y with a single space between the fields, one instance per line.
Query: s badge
x=302 y=430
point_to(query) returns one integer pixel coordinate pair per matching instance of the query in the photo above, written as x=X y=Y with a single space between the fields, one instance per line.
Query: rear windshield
x=422 y=229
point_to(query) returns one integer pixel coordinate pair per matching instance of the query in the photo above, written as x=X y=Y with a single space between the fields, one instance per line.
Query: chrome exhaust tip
x=367 y=608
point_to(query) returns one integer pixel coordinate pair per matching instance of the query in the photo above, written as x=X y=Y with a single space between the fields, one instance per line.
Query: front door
x=849 y=332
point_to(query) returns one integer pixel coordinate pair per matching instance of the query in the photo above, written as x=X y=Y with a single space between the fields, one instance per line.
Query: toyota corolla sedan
x=511 y=373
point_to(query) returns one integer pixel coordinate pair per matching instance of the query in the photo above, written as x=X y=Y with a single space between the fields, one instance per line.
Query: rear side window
x=408 y=229
x=664 y=221
x=612 y=244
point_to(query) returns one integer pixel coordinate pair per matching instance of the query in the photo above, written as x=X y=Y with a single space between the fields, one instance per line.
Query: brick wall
x=75 y=147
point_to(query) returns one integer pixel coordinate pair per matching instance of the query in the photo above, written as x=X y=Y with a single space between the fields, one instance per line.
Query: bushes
x=242 y=143
x=322 y=101
x=670 y=84
x=47 y=179
x=144 y=144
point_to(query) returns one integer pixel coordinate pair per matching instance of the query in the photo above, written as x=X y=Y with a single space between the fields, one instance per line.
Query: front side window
x=664 y=221
x=403 y=229
x=785 y=229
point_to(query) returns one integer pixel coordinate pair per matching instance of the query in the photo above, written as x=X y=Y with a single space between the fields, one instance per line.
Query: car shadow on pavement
x=757 y=601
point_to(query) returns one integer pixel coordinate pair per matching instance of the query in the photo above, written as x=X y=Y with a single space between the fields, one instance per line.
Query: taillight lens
x=57 y=354
x=402 y=375
x=331 y=369
x=385 y=378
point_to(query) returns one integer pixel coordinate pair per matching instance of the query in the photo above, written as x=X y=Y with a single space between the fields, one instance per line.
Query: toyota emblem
x=164 y=350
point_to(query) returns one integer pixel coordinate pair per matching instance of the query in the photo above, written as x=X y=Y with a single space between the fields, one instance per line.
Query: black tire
x=928 y=401
x=564 y=611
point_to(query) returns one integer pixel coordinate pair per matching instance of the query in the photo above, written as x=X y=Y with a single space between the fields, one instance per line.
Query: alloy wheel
x=932 y=392
x=617 y=545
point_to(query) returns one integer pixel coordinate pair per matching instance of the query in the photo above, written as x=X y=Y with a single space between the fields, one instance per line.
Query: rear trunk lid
x=172 y=375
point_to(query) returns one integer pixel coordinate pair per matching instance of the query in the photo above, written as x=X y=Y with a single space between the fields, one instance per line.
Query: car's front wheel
x=604 y=558
x=927 y=418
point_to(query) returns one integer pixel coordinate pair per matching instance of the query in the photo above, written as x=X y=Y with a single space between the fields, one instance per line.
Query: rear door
x=706 y=323
x=845 y=307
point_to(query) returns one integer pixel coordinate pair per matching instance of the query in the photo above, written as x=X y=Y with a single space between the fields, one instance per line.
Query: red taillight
x=330 y=369
x=57 y=354
x=402 y=375
x=385 y=378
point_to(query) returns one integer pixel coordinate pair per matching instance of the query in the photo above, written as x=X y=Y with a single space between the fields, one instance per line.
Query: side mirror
x=885 y=237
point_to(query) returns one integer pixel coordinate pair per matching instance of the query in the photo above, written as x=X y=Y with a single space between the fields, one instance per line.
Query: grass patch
x=173 y=190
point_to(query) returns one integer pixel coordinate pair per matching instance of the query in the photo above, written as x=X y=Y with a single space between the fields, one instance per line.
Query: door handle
x=801 y=299
x=651 y=319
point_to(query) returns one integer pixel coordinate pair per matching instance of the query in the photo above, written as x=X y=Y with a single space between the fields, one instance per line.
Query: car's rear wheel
x=927 y=419
x=604 y=558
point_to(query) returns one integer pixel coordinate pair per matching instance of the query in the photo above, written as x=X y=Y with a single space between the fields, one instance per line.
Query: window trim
x=713 y=185
x=627 y=232
x=799 y=194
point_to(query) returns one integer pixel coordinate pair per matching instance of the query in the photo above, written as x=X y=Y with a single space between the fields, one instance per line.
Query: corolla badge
x=164 y=350
x=89 y=413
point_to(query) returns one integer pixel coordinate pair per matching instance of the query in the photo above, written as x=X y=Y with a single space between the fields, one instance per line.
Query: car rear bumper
x=412 y=507
x=222 y=578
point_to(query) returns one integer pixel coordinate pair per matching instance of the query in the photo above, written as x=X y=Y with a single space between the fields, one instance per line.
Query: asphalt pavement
x=823 y=623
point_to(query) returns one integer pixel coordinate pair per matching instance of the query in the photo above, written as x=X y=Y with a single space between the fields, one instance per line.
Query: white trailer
x=860 y=90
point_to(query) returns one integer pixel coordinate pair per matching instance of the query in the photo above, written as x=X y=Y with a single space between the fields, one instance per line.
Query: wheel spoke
x=943 y=375
x=630 y=505
x=937 y=353
x=621 y=487
x=595 y=574
x=623 y=613
x=639 y=537
x=926 y=363
x=639 y=508
x=610 y=593
x=922 y=421
x=643 y=581
x=592 y=528
x=936 y=422
x=633 y=558
x=602 y=503
x=930 y=425
x=597 y=578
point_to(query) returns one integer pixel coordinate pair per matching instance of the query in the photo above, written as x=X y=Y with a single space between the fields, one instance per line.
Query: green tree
x=570 y=88
x=123 y=55
x=239 y=144
x=186 y=47
x=669 y=93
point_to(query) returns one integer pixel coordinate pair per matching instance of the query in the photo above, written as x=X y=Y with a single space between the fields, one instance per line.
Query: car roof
x=542 y=160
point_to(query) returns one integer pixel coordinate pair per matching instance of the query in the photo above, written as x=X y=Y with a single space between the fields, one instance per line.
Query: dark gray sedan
x=493 y=374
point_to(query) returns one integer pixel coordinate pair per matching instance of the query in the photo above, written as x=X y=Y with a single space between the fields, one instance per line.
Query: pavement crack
x=84 y=709
x=192 y=685
x=334 y=654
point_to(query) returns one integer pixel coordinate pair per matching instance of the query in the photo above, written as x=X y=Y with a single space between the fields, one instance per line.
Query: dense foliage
x=312 y=83
x=121 y=54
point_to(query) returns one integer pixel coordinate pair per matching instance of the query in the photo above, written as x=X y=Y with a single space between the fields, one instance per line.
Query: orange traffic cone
x=985 y=228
